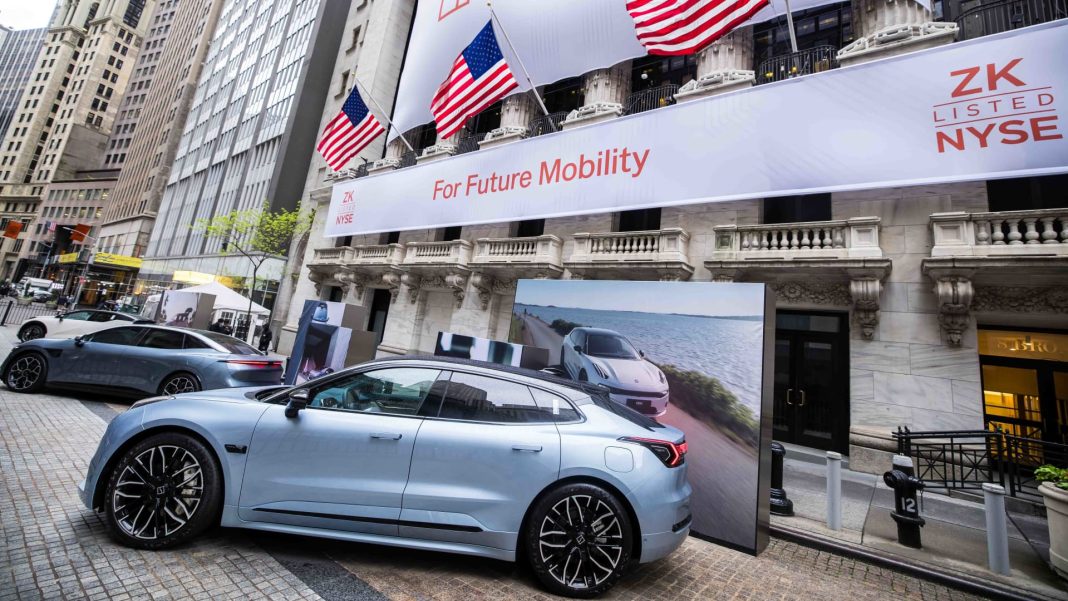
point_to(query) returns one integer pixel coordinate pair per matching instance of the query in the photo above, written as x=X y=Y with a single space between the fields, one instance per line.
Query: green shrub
x=706 y=399
x=563 y=327
x=1054 y=475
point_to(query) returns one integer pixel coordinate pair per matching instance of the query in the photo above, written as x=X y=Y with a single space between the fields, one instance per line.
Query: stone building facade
x=895 y=306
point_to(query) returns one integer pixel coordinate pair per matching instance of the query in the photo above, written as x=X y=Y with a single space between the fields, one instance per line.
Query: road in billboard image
x=688 y=354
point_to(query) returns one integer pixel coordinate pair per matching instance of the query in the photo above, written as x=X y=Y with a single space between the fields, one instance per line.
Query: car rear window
x=231 y=344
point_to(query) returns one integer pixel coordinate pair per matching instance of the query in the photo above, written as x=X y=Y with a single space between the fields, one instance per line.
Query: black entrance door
x=812 y=380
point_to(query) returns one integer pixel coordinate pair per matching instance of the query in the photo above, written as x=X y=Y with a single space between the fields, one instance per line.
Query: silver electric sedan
x=138 y=361
x=417 y=452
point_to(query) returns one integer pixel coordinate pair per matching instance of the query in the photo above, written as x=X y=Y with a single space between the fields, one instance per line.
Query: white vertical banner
x=988 y=108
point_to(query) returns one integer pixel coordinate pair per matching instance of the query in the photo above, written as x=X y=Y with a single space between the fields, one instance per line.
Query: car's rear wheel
x=179 y=383
x=31 y=331
x=27 y=372
x=579 y=540
x=162 y=491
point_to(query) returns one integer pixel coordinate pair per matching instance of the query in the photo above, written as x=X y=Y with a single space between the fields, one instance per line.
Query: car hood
x=629 y=373
x=228 y=395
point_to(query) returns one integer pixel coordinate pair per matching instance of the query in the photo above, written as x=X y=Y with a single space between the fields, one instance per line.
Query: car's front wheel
x=579 y=540
x=31 y=331
x=27 y=372
x=162 y=491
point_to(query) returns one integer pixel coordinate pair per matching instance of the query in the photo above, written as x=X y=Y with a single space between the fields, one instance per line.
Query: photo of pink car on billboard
x=688 y=354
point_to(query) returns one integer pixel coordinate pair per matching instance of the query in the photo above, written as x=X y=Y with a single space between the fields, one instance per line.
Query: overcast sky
x=26 y=14
x=690 y=298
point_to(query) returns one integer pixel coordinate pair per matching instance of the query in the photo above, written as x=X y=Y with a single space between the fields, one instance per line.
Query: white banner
x=555 y=39
x=982 y=109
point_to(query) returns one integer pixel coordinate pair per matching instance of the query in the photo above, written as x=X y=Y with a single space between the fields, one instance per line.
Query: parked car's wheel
x=162 y=491
x=31 y=331
x=579 y=540
x=179 y=383
x=27 y=372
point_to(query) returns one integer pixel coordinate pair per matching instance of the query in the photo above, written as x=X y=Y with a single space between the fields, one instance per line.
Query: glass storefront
x=1025 y=383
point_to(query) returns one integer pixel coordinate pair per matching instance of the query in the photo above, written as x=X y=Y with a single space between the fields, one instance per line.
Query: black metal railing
x=796 y=64
x=650 y=99
x=966 y=459
x=468 y=143
x=13 y=312
x=1006 y=15
x=546 y=124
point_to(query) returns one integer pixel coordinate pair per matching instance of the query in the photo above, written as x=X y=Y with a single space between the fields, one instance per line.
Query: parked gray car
x=139 y=361
x=415 y=452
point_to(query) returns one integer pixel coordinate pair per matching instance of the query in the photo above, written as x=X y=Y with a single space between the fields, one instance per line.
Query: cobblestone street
x=53 y=548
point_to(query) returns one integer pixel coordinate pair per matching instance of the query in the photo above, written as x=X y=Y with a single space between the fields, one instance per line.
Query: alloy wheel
x=25 y=372
x=179 y=384
x=581 y=541
x=158 y=492
x=32 y=332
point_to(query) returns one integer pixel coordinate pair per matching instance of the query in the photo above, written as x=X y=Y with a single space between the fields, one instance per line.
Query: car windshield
x=610 y=346
x=229 y=343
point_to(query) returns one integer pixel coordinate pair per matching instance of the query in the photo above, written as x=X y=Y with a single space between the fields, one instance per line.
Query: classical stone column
x=516 y=113
x=606 y=91
x=724 y=65
x=891 y=27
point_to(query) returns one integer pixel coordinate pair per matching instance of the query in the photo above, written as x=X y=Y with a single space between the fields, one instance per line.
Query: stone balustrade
x=509 y=258
x=1029 y=233
x=841 y=239
x=452 y=252
x=378 y=254
x=332 y=256
x=622 y=254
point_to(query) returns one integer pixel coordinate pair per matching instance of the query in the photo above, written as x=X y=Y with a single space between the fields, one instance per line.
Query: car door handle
x=386 y=435
x=527 y=448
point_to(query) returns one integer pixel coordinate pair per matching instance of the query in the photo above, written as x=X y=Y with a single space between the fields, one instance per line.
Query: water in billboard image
x=688 y=354
x=492 y=351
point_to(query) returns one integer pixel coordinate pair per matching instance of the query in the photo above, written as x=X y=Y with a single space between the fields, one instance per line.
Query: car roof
x=599 y=331
x=581 y=387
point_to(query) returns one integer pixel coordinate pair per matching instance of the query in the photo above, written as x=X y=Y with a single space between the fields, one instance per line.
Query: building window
x=389 y=238
x=797 y=209
x=639 y=220
x=528 y=228
x=448 y=234
x=1028 y=193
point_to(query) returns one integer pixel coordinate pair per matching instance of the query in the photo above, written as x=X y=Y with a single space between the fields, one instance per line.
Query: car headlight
x=660 y=373
x=149 y=401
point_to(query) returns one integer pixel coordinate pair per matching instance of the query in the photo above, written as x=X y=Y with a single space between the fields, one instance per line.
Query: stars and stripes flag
x=480 y=76
x=349 y=132
x=675 y=27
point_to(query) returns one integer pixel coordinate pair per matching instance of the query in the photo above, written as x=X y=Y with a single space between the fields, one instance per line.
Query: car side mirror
x=298 y=400
x=641 y=353
x=59 y=317
x=578 y=348
x=79 y=341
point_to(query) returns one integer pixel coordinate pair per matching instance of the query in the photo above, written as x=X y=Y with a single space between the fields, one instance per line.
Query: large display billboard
x=696 y=356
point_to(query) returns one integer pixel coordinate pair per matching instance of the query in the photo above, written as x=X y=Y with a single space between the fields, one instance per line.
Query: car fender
x=226 y=426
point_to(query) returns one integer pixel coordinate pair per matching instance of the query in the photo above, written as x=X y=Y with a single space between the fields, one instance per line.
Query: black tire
x=583 y=377
x=32 y=331
x=158 y=478
x=27 y=372
x=179 y=383
x=578 y=540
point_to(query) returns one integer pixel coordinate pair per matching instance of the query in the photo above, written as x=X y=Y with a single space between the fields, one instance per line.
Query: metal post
x=7 y=311
x=790 y=26
x=997 y=534
x=834 y=490
x=780 y=505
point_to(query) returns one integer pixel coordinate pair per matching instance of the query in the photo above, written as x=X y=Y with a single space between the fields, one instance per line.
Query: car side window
x=192 y=342
x=580 y=339
x=554 y=408
x=77 y=315
x=101 y=317
x=118 y=336
x=481 y=399
x=163 y=339
x=396 y=391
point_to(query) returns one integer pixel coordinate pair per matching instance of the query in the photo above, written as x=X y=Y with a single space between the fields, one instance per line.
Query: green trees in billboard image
x=704 y=397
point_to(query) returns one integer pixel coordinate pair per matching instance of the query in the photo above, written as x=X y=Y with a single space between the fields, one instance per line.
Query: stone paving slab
x=54 y=548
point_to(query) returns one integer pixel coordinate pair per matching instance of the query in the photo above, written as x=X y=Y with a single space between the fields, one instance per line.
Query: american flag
x=480 y=76
x=674 y=27
x=349 y=132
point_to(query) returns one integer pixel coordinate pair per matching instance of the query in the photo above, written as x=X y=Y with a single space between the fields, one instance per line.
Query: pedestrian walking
x=265 y=338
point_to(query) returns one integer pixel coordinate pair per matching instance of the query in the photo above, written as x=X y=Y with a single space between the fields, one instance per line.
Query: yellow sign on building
x=117 y=260
x=67 y=258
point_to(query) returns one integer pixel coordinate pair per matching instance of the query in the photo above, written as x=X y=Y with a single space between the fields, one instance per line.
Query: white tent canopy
x=227 y=300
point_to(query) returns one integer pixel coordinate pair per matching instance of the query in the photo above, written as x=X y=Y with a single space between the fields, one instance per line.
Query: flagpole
x=400 y=134
x=493 y=15
x=790 y=26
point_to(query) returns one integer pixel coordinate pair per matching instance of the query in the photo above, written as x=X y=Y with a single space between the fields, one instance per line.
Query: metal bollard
x=780 y=505
x=834 y=490
x=903 y=481
x=997 y=533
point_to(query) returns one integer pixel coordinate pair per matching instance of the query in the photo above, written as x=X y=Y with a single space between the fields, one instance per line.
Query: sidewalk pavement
x=954 y=538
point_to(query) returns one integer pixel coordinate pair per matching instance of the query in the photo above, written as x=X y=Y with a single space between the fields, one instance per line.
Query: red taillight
x=253 y=363
x=670 y=453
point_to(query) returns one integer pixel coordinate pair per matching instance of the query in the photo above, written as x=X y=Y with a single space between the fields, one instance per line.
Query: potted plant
x=24 y=300
x=1054 y=489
